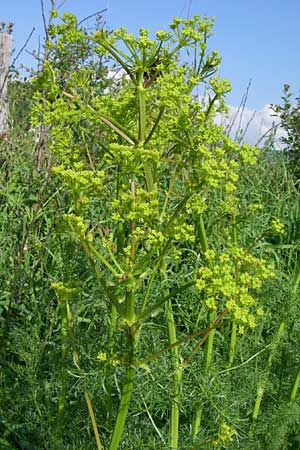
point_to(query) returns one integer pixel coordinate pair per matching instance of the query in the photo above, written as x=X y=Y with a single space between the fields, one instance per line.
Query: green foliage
x=20 y=102
x=289 y=115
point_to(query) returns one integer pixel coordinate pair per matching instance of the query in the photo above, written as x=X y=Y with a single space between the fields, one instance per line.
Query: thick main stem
x=123 y=408
x=126 y=391
x=142 y=134
x=111 y=348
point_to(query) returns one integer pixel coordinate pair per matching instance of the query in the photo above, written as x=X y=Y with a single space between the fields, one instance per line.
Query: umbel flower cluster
x=141 y=157
x=229 y=280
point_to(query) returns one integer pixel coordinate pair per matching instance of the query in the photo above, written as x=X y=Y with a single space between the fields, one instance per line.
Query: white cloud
x=251 y=124
x=117 y=74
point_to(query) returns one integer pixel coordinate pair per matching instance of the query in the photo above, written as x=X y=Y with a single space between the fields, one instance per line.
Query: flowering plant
x=140 y=162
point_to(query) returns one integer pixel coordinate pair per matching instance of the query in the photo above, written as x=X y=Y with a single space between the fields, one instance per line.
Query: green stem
x=177 y=211
x=142 y=113
x=129 y=308
x=167 y=195
x=146 y=313
x=196 y=421
x=126 y=390
x=108 y=292
x=262 y=384
x=232 y=342
x=145 y=261
x=102 y=260
x=204 y=338
x=120 y=227
x=210 y=105
x=113 y=125
x=209 y=345
x=205 y=332
x=63 y=374
x=149 y=287
x=295 y=287
x=118 y=128
x=158 y=119
x=177 y=374
x=111 y=349
x=210 y=340
x=93 y=419
x=295 y=386
x=142 y=133
x=112 y=51
x=123 y=408
x=202 y=235
x=237 y=275
x=112 y=328
x=156 y=268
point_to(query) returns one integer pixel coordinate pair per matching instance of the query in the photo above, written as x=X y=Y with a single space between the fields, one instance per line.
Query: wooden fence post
x=5 y=49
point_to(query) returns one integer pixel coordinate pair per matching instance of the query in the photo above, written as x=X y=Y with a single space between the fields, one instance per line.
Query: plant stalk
x=295 y=386
x=177 y=375
x=123 y=408
x=262 y=384
x=126 y=390
x=111 y=347
x=232 y=343
x=63 y=375
x=176 y=371
x=142 y=134
x=210 y=340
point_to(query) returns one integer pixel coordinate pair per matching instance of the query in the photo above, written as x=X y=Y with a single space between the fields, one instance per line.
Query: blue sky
x=257 y=39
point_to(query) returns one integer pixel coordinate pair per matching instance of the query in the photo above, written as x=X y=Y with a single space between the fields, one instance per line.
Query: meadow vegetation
x=150 y=264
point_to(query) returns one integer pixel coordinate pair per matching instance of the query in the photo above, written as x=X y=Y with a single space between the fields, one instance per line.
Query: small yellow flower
x=254 y=207
x=277 y=226
x=90 y=237
x=225 y=436
x=102 y=356
x=260 y=311
x=210 y=255
x=84 y=200
x=211 y=304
